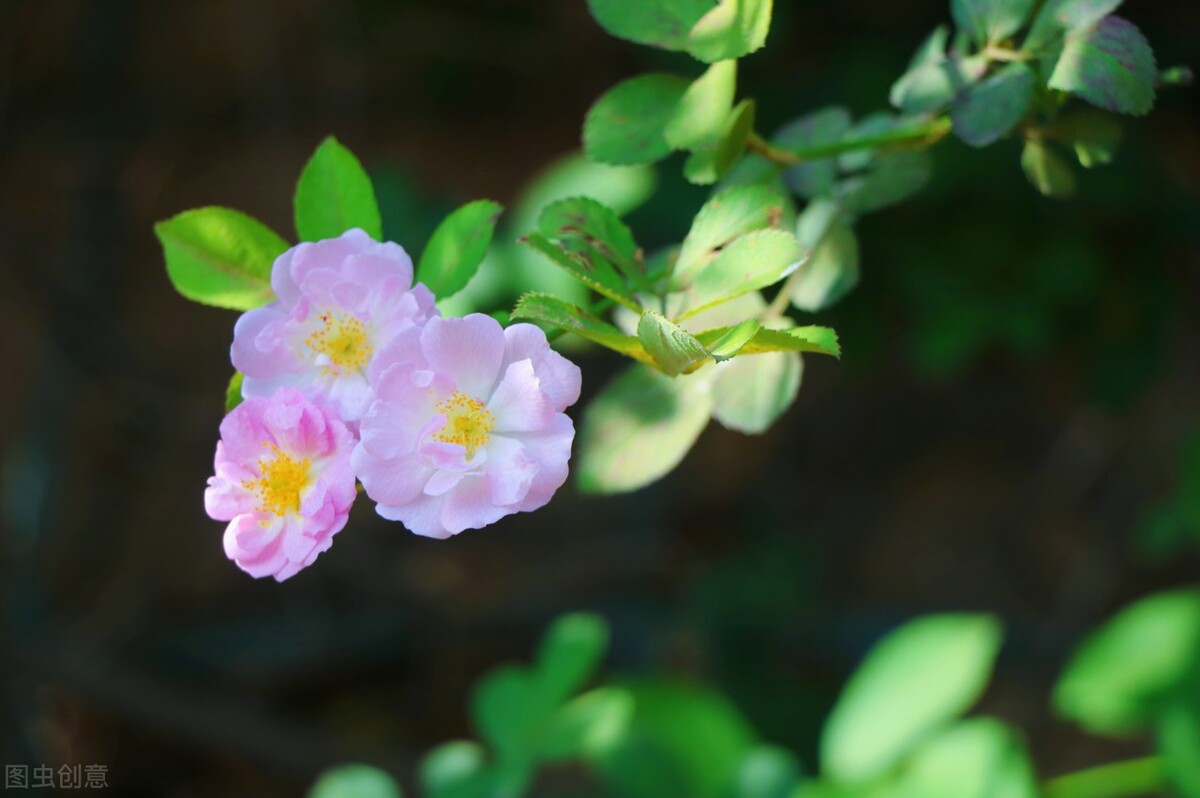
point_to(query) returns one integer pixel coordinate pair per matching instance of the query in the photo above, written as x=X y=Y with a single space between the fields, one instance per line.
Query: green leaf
x=659 y=23
x=706 y=166
x=626 y=125
x=233 y=391
x=821 y=340
x=750 y=393
x=1119 y=677
x=1178 y=733
x=994 y=106
x=734 y=340
x=454 y=770
x=639 y=428
x=589 y=726
x=731 y=30
x=220 y=257
x=830 y=271
x=1093 y=135
x=766 y=771
x=990 y=21
x=335 y=194
x=594 y=232
x=894 y=178
x=703 y=112
x=820 y=128
x=554 y=312
x=683 y=741
x=509 y=706
x=728 y=215
x=977 y=758
x=1058 y=16
x=933 y=78
x=1109 y=64
x=570 y=653
x=586 y=263
x=355 y=781
x=750 y=262
x=457 y=247
x=1048 y=172
x=674 y=349
x=918 y=677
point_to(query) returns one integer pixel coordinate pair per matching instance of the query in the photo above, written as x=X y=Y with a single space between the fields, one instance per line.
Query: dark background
x=1019 y=381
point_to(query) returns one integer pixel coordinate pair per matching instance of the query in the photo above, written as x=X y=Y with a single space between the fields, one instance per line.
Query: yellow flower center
x=342 y=339
x=278 y=489
x=468 y=422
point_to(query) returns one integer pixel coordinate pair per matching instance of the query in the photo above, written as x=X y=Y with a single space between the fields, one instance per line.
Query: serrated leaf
x=976 y=758
x=570 y=652
x=1109 y=64
x=638 y=428
x=751 y=392
x=1048 y=172
x=233 y=391
x=588 y=228
x=355 y=781
x=702 y=114
x=659 y=23
x=590 y=268
x=588 y=726
x=989 y=21
x=820 y=128
x=993 y=107
x=555 y=312
x=734 y=340
x=457 y=247
x=727 y=215
x=627 y=124
x=220 y=257
x=1119 y=677
x=750 y=262
x=918 y=677
x=707 y=166
x=812 y=338
x=1058 y=16
x=731 y=30
x=675 y=350
x=830 y=272
x=334 y=194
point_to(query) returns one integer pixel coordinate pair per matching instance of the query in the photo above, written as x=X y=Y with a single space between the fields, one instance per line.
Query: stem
x=1134 y=777
x=927 y=133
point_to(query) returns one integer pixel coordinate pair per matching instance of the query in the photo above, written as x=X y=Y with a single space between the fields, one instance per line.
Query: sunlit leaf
x=626 y=125
x=976 y=758
x=588 y=265
x=588 y=726
x=750 y=392
x=702 y=114
x=1046 y=170
x=355 y=781
x=454 y=770
x=660 y=23
x=729 y=214
x=831 y=270
x=820 y=128
x=554 y=312
x=233 y=391
x=766 y=771
x=731 y=30
x=990 y=20
x=750 y=262
x=708 y=165
x=674 y=349
x=334 y=194
x=821 y=340
x=457 y=247
x=1109 y=64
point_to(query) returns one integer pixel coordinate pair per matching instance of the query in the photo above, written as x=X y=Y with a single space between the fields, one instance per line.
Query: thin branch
x=921 y=135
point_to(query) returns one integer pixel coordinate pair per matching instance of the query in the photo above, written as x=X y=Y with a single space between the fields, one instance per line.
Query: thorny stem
x=1128 y=779
x=920 y=135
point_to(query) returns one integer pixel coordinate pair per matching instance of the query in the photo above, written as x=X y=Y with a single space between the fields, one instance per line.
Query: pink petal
x=560 y=378
x=422 y=516
x=469 y=506
x=469 y=350
x=518 y=404
x=510 y=471
x=392 y=481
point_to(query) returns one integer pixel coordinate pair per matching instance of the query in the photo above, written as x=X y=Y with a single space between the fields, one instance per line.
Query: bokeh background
x=1006 y=432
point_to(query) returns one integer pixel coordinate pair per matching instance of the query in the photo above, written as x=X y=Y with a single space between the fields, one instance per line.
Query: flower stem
x=1134 y=777
x=924 y=134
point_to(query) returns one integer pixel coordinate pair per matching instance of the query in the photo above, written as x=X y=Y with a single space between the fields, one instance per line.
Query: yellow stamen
x=342 y=339
x=278 y=490
x=468 y=422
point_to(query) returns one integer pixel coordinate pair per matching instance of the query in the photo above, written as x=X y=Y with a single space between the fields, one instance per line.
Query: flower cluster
x=449 y=424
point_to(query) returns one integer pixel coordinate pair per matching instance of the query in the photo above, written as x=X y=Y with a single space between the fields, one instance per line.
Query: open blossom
x=338 y=302
x=467 y=425
x=283 y=481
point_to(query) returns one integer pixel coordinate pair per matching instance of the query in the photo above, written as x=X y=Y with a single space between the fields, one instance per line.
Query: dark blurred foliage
x=1019 y=379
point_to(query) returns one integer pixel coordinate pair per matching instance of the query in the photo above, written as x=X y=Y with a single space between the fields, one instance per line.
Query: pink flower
x=284 y=482
x=467 y=425
x=339 y=301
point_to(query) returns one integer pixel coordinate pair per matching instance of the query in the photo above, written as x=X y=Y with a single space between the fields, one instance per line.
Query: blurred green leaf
x=1120 y=675
x=1055 y=17
x=557 y=313
x=219 y=256
x=703 y=112
x=706 y=166
x=728 y=215
x=750 y=262
x=660 y=23
x=977 y=758
x=638 y=428
x=588 y=726
x=355 y=781
x=626 y=125
x=675 y=350
x=832 y=268
x=508 y=706
x=751 y=392
x=892 y=178
x=993 y=107
x=766 y=771
x=990 y=21
x=571 y=651
x=733 y=341
x=334 y=194
x=1178 y=733
x=731 y=30
x=457 y=247
x=821 y=340
x=233 y=391
x=455 y=769
x=1094 y=136
x=817 y=129
x=585 y=263
x=683 y=741
x=1046 y=170
x=917 y=678
x=1109 y=64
